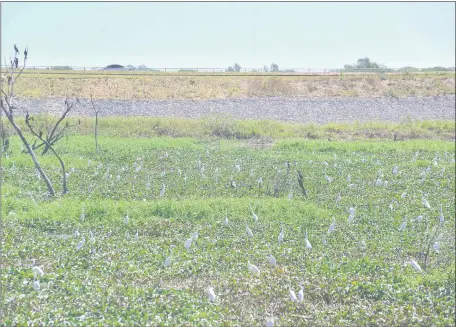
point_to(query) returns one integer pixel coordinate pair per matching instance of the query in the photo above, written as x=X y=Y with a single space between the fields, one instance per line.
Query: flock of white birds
x=252 y=268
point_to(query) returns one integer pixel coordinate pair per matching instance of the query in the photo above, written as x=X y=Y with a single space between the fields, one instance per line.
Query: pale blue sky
x=293 y=35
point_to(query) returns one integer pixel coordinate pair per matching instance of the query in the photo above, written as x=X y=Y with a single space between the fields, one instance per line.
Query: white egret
x=162 y=191
x=170 y=257
x=92 y=238
x=441 y=218
x=404 y=195
x=403 y=225
x=254 y=216
x=328 y=179
x=238 y=168
x=378 y=182
x=253 y=269
x=137 y=235
x=308 y=245
x=233 y=184
x=332 y=226
x=76 y=233
x=188 y=243
x=82 y=213
x=260 y=181
x=37 y=271
x=211 y=294
x=352 y=211
x=301 y=294
x=194 y=236
x=270 y=322
x=338 y=198
x=272 y=260
x=293 y=297
x=395 y=170
x=415 y=265
x=436 y=247
x=350 y=218
x=249 y=231
x=385 y=183
x=81 y=243
x=36 y=285
x=127 y=218
x=290 y=195
x=349 y=178
x=281 y=235
x=419 y=218
x=226 y=220
x=425 y=203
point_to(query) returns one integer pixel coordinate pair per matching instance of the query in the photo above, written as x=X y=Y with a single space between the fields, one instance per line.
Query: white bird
x=249 y=231
x=349 y=178
x=81 y=243
x=350 y=218
x=338 y=198
x=415 y=265
x=332 y=226
x=254 y=216
x=211 y=294
x=137 y=235
x=82 y=213
x=308 y=245
x=170 y=257
x=404 y=195
x=233 y=184
x=76 y=233
x=328 y=179
x=36 y=285
x=395 y=170
x=290 y=195
x=253 y=269
x=301 y=294
x=92 y=238
x=238 y=168
x=436 y=247
x=226 y=220
x=37 y=271
x=378 y=182
x=293 y=297
x=281 y=235
x=441 y=218
x=270 y=322
x=188 y=243
x=126 y=219
x=425 y=203
x=403 y=225
x=162 y=191
x=194 y=236
x=419 y=218
x=260 y=181
x=385 y=183
x=272 y=260
x=352 y=211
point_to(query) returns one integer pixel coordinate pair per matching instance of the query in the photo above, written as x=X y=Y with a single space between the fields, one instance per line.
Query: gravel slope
x=321 y=110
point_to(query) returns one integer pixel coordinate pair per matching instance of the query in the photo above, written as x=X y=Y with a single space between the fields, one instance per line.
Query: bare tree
x=53 y=131
x=7 y=105
x=96 y=112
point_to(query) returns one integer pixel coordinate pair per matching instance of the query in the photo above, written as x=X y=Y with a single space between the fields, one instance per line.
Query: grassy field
x=171 y=187
x=221 y=87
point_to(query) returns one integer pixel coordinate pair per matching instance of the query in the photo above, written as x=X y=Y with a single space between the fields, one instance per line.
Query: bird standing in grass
x=301 y=183
x=211 y=294
x=308 y=245
x=170 y=257
x=415 y=265
x=254 y=216
x=249 y=231
x=16 y=50
x=293 y=297
x=301 y=294
x=281 y=235
x=253 y=269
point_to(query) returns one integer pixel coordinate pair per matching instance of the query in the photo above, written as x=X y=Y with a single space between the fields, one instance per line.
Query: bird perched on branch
x=25 y=53
x=16 y=62
x=16 y=49
x=301 y=184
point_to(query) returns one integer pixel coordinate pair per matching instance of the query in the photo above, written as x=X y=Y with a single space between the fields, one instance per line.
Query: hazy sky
x=197 y=35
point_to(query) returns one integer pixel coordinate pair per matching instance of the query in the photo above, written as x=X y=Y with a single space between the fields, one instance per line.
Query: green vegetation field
x=359 y=274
